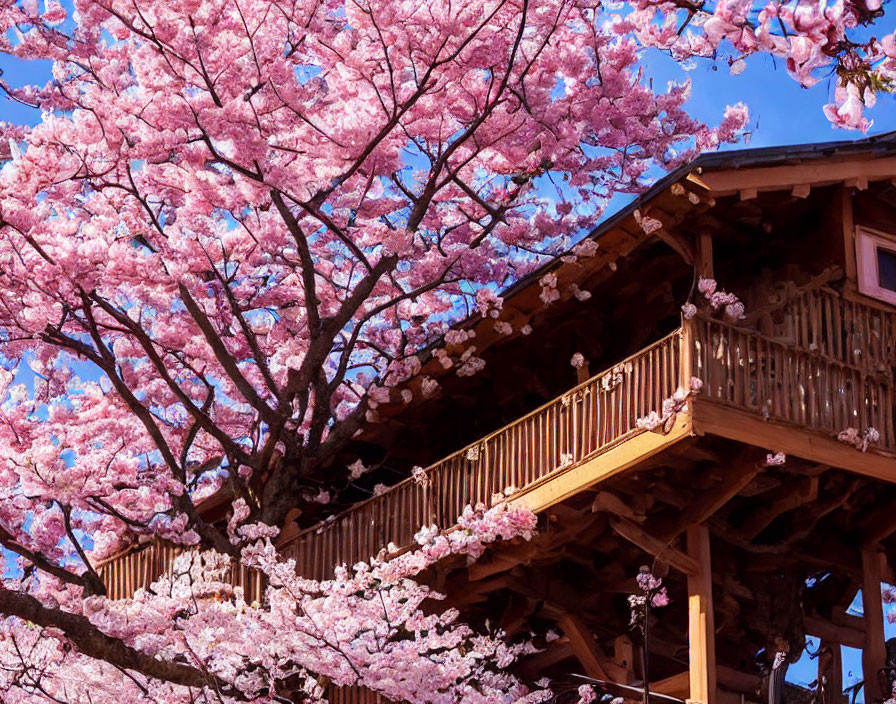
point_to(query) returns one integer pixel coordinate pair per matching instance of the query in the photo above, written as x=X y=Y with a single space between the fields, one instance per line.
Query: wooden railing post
x=687 y=343
x=701 y=624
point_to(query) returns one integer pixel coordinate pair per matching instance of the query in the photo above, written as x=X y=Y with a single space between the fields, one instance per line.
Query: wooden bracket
x=654 y=546
x=679 y=243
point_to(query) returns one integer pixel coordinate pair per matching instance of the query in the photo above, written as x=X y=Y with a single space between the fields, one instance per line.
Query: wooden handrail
x=561 y=433
x=829 y=366
x=781 y=381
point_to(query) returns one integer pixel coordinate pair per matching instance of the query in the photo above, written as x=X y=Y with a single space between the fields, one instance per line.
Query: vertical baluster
x=829 y=344
x=810 y=383
x=838 y=330
x=531 y=438
x=706 y=349
x=556 y=446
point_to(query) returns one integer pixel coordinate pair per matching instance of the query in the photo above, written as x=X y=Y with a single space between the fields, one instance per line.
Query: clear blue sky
x=781 y=113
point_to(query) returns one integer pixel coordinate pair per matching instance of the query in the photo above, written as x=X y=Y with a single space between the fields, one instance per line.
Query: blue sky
x=781 y=113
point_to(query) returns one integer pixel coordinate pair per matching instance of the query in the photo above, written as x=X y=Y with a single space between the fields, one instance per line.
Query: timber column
x=874 y=654
x=701 y=624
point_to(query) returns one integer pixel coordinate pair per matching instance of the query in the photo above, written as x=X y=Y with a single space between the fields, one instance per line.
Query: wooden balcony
x=581 y=423
x=828 y=365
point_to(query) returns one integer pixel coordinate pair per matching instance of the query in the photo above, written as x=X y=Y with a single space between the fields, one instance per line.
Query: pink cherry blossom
x=237 y=239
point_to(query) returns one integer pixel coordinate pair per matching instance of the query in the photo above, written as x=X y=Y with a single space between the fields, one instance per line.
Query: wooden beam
x=628 y=453
x=874 y=654
x=705 y=266
x=629 y=693
x=827 y=551
x=675 y=686
x=653 y=546
x=708 y=502
x=716 y=419
x=849 y=636
x=613 y=503
x=695 y=180
x=738 y=681
x=503 y=561
x=774 y=178
x=881 y=524
x=583 y=646
x=476 y=592
x=802 y=492
x=701 y=625
x=679 y=243
x=532 y=667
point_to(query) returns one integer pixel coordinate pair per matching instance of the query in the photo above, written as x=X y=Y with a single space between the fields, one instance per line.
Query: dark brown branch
x=227 y=362
x=39 y=561
x=93 y=580
x=200 y=415
x=92 y=642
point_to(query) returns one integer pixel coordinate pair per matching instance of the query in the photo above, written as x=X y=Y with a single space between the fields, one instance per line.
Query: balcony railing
x=830 y=368
x=588 y=418
x=138 y=567
x=779 y=381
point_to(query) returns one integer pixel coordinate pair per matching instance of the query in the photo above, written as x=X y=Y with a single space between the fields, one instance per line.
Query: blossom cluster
x=775 y=459
x=671 y=407
x=718 y=300
x=653 y=594
x=861 y=441
x=366 y=626
x=813 y=39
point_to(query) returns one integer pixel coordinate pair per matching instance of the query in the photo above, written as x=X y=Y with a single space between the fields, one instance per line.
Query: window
x=876 y=258
x=886 y=268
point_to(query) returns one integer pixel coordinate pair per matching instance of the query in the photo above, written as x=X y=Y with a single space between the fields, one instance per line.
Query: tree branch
x=92 y=642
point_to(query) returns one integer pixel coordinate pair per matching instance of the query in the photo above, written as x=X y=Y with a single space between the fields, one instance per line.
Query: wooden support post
x=583 y=373
x=704 y=255
x=830 y=672
x=874 y=654
x=849 y=233
x=701 y=626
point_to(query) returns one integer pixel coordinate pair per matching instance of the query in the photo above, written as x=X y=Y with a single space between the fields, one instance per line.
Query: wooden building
x=756 y=554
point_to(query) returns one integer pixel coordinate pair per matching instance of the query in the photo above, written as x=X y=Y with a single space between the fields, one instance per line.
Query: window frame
x=868 y=241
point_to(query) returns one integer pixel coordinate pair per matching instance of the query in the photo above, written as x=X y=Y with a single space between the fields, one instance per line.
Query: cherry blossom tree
x=234 y=233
